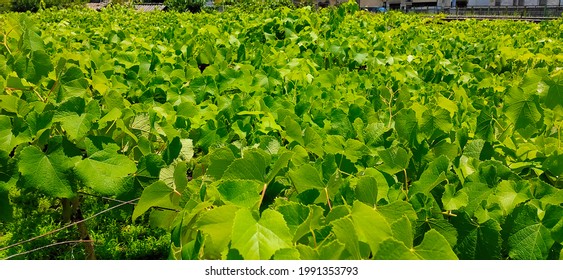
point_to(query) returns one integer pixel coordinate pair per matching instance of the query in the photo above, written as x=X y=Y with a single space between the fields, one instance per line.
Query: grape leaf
x=306 y=177
x=259 y=239
x=243 y=193
x=112 y=171
x=525 y=236
x=157 y=194
x=217 y=224
x=51 y=173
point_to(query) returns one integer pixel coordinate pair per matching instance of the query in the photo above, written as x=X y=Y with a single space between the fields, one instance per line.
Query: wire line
x=69 y=225
x=47 y=246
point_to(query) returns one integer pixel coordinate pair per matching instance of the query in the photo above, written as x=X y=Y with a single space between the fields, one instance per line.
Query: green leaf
x=453 y=200
x=331 y=250
x=148 y=169
x=313 y=142
x=392 y=249
x=355 y=150
x=287 y=254
x=293 y=131
x=435 y=120
x=5 y=206
x=156 y=195
x=175 y=176
x=259 y=239
x=486 y=125
x=476 y=193
x=51 y=173
x=525 y=236
x=433 y=247
x=343 y=228
x=477 y=241
x=522 y=109
x=444 y=227
x=314 y=221
x=217 y=224
x=473 y=148
x=554 y=96
x=396 y=210
x=8 y=179
x=33 y=67
x=243 y=193
x=106 y=171
x=395 y=159
x=251 y=167
x=77 y=126
x=192 y=250
x=306 y=177
x=187 y=151
x=554 y=164
x=370 y=225
x=294 y=214
x=509 y=194
x=172 y=151
x=431 y=177
x=72 y=83
x=406 y=125
x=553 y=220
x=219 y=161
x=402 y=231
x=281 y=163
x=366 y=190
x=10 y=137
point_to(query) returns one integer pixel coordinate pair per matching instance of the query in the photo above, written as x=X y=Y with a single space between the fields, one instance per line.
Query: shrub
x=5 y=5
x=257 y=5
x=35 y=5
x=25 y=5
x=193 y=6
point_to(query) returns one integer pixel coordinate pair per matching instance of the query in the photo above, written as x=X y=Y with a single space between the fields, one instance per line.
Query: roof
x=141 y=7
x=150 y=7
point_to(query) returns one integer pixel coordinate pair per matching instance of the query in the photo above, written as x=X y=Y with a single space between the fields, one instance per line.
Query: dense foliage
x=36 y=5
x=294 y=134
x=185 y=5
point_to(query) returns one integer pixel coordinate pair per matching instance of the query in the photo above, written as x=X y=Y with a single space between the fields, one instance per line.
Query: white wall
x=480 y=3
x=511 y=2
x=371 y=3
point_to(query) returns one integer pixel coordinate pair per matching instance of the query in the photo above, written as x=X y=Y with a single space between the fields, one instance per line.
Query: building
x=475 y=3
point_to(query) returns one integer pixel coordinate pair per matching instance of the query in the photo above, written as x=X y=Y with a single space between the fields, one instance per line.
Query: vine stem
x=67 y=226
x=47 y=246
x=406 y=185
x=263 y=194
x=6 y=41
x=328 y=199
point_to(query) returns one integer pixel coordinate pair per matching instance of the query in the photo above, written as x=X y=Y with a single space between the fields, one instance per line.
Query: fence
x=505 y=11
